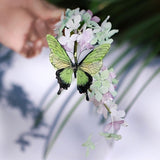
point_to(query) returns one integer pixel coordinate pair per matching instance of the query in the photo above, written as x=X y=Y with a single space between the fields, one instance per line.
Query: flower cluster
x=83 y=27
x=103 y=94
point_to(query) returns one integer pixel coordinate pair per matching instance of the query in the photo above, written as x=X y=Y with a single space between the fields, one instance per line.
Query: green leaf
x=89 y=145
x=108 y=136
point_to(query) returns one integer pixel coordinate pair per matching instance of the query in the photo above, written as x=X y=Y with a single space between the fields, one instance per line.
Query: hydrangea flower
x=68 y=41
x=115 y=124
x=93 y=18
x=103 y=33
x=74 y=22
x=84 y=39
x=103 y=94
x=104 y=86
x=81 y=30
x=117 y=118
x=83 y=23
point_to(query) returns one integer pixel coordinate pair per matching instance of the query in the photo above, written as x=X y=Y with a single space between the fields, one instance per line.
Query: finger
x=51 y=23
x=40 y=27
x=27 y=50
x=14 y=29
x=32 y=35
x=31 y=49
x=38 y=46
x=44 y=10
x=44 y=40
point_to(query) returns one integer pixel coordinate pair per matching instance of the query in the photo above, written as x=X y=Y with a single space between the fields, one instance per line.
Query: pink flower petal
x=95 y=19
x=108 y=127
x=107 y=96
x=116 y=125
x=103 y=68
x=90 y=12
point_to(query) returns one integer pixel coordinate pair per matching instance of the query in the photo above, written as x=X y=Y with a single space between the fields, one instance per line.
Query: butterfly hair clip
x=82 y=70
x=79 y=31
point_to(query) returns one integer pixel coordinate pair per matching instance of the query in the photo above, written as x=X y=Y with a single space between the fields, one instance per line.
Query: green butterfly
x=83 y=71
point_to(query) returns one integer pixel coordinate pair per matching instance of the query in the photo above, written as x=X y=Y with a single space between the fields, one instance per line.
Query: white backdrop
x=140 y=140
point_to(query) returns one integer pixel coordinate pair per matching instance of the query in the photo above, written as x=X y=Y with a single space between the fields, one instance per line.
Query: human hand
x=25 y=23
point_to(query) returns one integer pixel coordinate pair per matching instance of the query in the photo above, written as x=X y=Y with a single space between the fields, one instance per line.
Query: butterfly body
x=82 y=71
x=74 y=67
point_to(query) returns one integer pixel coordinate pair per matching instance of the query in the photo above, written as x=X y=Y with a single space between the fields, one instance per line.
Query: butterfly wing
x=64 y=77
x=92 y=63
x=60 y=60
x=84 y=80
x=58 y=57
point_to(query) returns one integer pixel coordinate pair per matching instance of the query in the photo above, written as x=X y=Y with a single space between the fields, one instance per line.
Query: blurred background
x=31 y=113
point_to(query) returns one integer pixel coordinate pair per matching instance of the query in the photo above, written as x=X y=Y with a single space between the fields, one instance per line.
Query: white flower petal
x=112 y=32
x=70 y=45
x=69 y=23
x=77 y=19
x=121 y=113
x=109 y=41
x=67 y=32
x=62 y=40
x=125 y=124
x=74 y=37
x=76 y=11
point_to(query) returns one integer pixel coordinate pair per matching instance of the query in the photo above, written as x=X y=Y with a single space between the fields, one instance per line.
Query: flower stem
x=107 y=108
